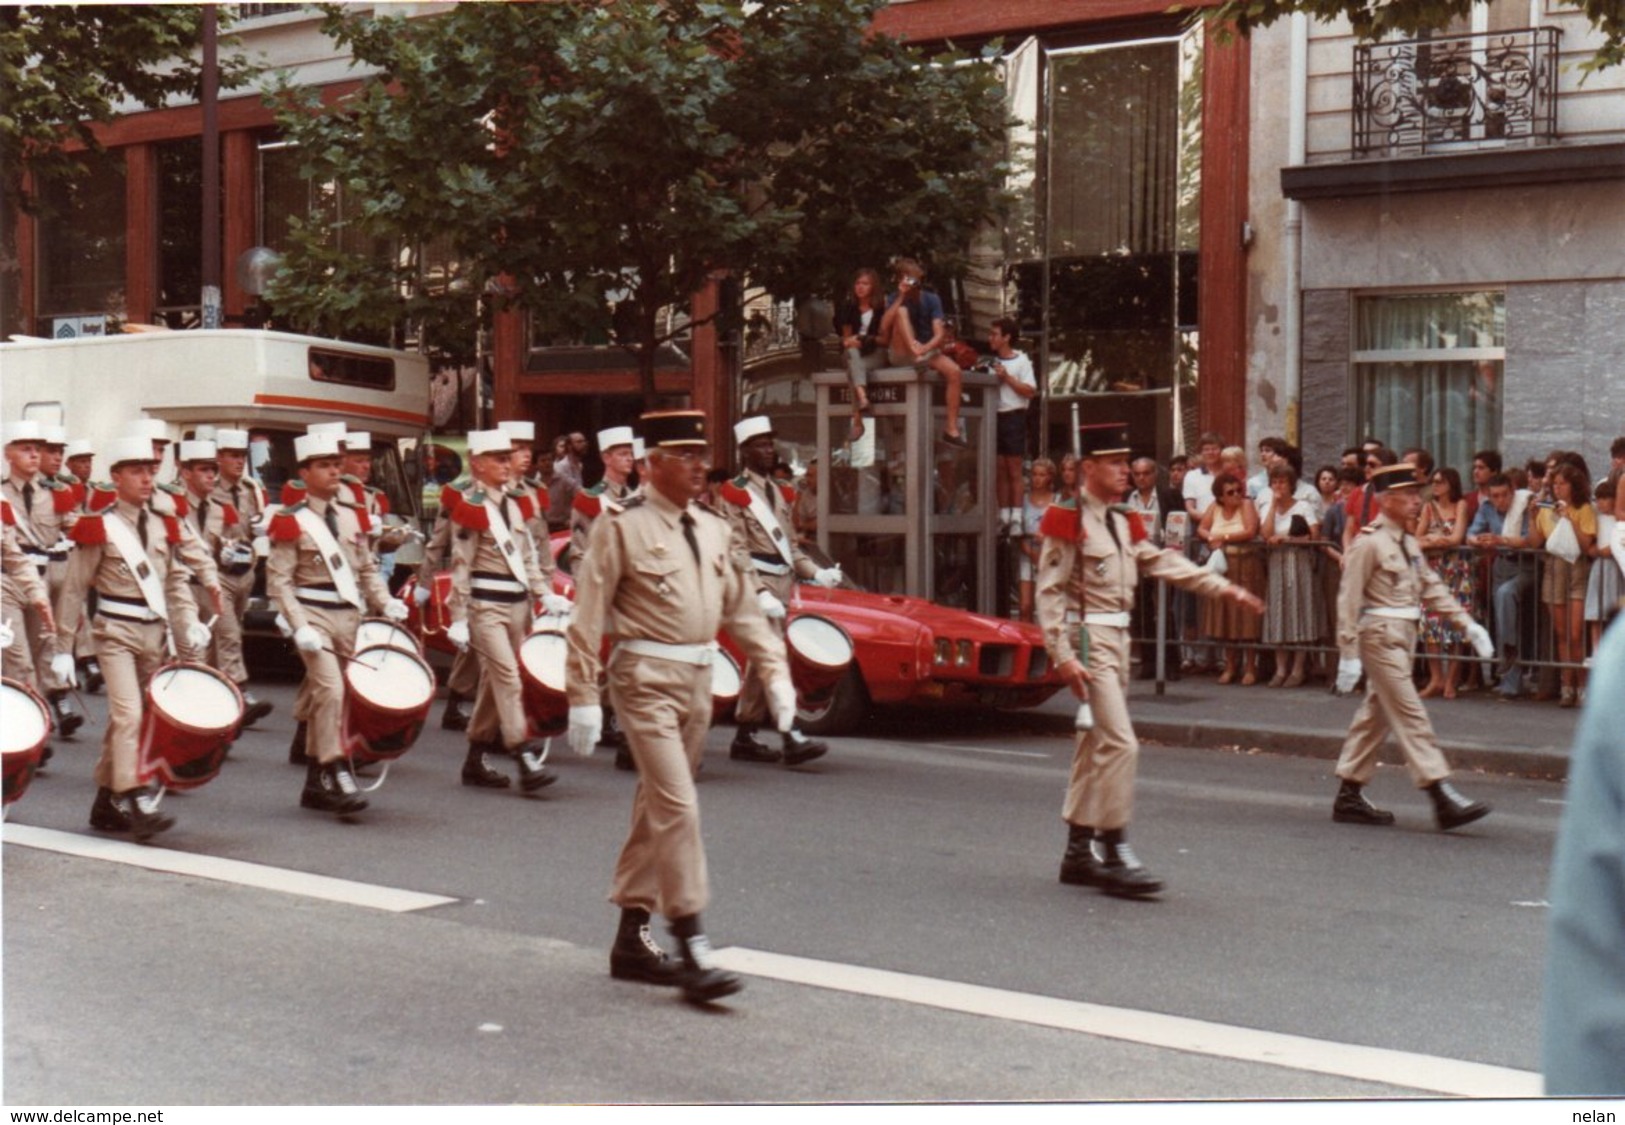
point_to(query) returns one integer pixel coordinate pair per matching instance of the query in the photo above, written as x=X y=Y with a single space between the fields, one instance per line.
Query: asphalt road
x=927 y=848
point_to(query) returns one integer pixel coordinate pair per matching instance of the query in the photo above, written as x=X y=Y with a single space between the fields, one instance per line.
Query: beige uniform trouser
x=1100 y=792
x=226 y=649
x=752 y=706
x=129 y=652
x=17 y=661
x=495 y=632
x=665 y=710
x=54 y=576
x=464 y=677
x=1387 y=646
x=321 y=694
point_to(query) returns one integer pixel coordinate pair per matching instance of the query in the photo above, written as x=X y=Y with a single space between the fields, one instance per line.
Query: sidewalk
x=1476 y=730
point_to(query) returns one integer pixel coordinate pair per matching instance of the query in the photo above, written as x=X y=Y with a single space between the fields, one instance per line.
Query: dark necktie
x=141 y=528
x=1111 y=526
x=688 y=533
x=28 y=499
x=236 y=497
x=332 y=518
x=203 y=515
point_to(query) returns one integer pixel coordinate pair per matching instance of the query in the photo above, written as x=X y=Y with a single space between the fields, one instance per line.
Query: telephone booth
x=901 y=510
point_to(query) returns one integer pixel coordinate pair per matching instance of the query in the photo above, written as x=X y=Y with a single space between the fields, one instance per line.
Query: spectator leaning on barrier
x=1197 y=485
x=1441 y=530
x=1570 y=518
x=1290 y=615
x=1512 y=581
x=1231 y=529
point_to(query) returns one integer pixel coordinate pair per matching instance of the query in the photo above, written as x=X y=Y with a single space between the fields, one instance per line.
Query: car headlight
x=944 y=651
x=962 y=653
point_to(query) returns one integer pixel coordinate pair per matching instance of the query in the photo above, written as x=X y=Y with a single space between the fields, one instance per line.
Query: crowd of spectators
x=1534 y=550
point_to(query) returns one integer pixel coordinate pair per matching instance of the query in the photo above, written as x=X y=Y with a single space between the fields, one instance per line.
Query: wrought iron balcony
x=1453 y=92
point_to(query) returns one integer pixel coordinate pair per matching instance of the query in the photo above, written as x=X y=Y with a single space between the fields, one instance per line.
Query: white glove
x=781 y=695
x=6 y=635
x=1348 y=674
x=586 y=728
x=828 y=577
x=262 y=546
x=772 y=608
x=306 y=639
x=557 y=604
x=197 y=635
x=421 y=595
x=64 y=669
x=457 y=634
x=1479 y=638
x=395 y=610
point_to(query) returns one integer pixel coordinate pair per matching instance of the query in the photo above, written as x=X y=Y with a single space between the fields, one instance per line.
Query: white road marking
x=1371 y=1064
x=1542 y=903
x=236 y=871
x=984 y=750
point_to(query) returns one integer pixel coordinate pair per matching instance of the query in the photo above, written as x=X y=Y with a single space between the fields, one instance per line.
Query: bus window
x=374 y=372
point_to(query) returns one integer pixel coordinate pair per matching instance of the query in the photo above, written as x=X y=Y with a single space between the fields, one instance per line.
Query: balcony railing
x=1455 y=92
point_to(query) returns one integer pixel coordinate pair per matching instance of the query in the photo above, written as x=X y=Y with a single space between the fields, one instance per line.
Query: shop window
x=81 y=245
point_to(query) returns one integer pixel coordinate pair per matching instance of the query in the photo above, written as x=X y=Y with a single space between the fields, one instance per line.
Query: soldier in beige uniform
x=1092 y=556
x=322 y=576
x=463 y=681
x=128 y=554
x=80 y=459
x=764 y=535
x=42 y=510
x=245 y=496
x=494 y=582
x=1386 y=582
x=23 y=587
x=664 y=566
x=607 y=495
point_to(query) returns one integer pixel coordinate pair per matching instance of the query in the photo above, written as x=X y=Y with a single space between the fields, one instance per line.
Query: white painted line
x=236 y=871
x=985 y=750
x=1371 y=1064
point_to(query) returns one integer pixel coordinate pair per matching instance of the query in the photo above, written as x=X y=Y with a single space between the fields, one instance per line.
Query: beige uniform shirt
x=585 y=509
x=536 y=526
x=22 y=581
x=641 y=568
x=1384 y=569
x=39 y=525
x=1100 y=574
x=247 y=496
x=476 y=552
x=766 y=543
x=101 y=568
x=298 y=562
x=210 y=525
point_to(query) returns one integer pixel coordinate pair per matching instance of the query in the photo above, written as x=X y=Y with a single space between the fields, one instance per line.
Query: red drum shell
x=23 y=735
x=726 y=681
x=820 y=652
x=428 y=623
x=541 y=672
x=192 y=715
x=376 y=631
x=387 y=695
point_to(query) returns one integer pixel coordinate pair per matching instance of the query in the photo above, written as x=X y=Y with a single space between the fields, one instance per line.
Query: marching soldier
x=494 y=581
x=42 y=509
x=665 y=568
x=1092 y=556
x=463 y=680
x=530 y=491
x=615 y=448
x=219 y=527
x=169 y=499
x=322 y=576
x=128 y=553
x=22 y=586
x=358 y=476
x=759 y=510
x=241 y=493
x=79 y=457
x=1385 y=584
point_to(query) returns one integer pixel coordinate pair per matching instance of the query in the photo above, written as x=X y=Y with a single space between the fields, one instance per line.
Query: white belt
x=496 y=585
x=702 y=656
x=1398 y=614
x=321 y=597
x=778 y=570
x=124 y=611
x=1115 y=620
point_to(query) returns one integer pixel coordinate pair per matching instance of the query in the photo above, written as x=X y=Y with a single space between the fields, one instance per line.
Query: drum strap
x=121 y=537
x=332 y=556
x=505 y=541
x=768 y=522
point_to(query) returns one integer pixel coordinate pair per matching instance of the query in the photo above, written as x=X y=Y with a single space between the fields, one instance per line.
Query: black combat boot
x=613 y=737
x=331 y=788
x=456 y=714
x=296 y=748
x=1351 y=807
x=623 y=759
x=254 y=709
x=477 y=772
x=799 y=749
x=145 y=819
x=1451 y=809
x=91 y=670
x=1121 y=872
x=530 y=755
x=1079 y=866
x=109 y=813
x=745 y=748
x=701 y=981
x=67 y=716
x=637 y=956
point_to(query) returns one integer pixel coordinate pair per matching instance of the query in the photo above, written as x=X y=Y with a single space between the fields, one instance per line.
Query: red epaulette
x=89 y=531
x=64 y=499
x=79 y=492
x=788 y=493
x=293 y=492
x=284 y=527
x=182 y=508
x=451 y=497
x=527 y=506
x=588 y=506
x=6 y=514
x=229 y=514
x=363 y=519
x=383 y=501
x=357 y=490
x=1061 y=521
x=100 y=498
x=469 y=515
x=1136 y=528
x=733 y=494
x=172 y=529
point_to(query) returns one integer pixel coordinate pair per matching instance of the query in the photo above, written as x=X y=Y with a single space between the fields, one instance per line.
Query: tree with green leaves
x=1374 y=19
x=567 y=155
x=64 y=69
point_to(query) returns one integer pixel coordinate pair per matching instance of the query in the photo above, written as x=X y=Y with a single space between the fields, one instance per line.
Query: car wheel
x=841 y=713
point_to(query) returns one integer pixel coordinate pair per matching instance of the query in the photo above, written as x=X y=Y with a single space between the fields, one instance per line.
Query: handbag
x=1216 y=562
x=1562 y=542
x=1299 y=528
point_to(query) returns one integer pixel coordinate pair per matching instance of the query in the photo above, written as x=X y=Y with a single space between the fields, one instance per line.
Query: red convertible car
x=906 y=651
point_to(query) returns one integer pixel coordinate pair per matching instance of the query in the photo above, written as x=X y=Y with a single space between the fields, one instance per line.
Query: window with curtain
x=81 y=240
x=1428 y=370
